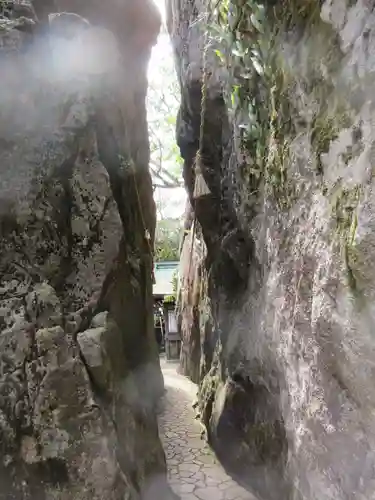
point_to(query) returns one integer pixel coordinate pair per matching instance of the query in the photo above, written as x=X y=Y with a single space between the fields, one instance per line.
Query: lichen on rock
x=286 y=235
x=76 y=328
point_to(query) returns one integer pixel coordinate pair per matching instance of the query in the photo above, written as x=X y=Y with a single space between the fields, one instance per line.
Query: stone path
x=194 y=472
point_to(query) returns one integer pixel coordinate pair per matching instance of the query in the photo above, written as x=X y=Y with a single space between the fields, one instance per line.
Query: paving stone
x=212 y=482
x=199 y=476
x=200 y=484
x=209 y=493
x=194 y=473
x=189 y=467
x=187 y=488
x=226 y=485
x=185 y=473
x=189 y=496
x=234 y=493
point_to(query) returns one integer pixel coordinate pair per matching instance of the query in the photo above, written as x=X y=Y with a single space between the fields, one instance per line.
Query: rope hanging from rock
x=200 y=186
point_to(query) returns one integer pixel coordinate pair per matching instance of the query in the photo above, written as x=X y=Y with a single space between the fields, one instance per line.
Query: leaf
x=239 y=49
x=258 y=67
x=220 y=55
x=238 y=53
x=234 y=95
x=171 y=120
x=256 y=21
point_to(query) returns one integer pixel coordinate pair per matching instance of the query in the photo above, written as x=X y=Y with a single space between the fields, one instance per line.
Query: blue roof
x=163 y=272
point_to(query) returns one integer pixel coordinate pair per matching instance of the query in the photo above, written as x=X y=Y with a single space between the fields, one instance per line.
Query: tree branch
x=157 y=174
x=162 y=171
x=169 y=186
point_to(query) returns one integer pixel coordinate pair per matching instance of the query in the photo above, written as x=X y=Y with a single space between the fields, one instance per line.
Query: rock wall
x=190 y=295
x=79 y=368
x=287 y=346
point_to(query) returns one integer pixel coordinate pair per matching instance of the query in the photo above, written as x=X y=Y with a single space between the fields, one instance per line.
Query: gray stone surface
x=77 y=420
x=92 y=347
x=285 y=312
x=100 y=320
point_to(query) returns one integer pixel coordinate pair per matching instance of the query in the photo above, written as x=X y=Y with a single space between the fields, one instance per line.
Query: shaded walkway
x=194 y=472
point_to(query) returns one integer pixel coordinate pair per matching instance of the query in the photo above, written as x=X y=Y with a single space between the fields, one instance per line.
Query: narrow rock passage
x=193 y=471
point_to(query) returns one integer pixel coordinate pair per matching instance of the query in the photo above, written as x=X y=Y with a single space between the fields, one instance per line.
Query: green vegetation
x=172 y=298
x=324 y=131
x=163 y=100
x=167 y=239
x=4 y=6
x=345 y=212
x=325 y=128
x=246 y=43
x=248 y=36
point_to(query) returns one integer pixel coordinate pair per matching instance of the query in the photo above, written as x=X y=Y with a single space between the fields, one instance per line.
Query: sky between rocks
x=172 y=200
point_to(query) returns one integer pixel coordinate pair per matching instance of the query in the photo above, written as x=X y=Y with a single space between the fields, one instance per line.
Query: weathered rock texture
x=287 y=354
x=190 y=296
x=79 y=369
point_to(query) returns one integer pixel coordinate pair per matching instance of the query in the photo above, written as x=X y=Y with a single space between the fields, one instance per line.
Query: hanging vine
x=246 y=45
x=248 y=37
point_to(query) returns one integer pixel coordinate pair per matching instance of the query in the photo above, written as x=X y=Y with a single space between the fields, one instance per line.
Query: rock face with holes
x=285 y=286
x=79 y=369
